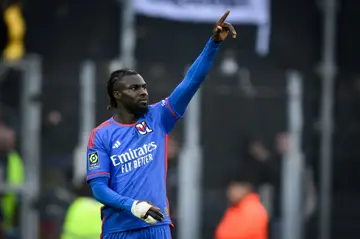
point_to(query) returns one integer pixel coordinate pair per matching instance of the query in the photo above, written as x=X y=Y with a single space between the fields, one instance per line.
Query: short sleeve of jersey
x=97 y=158
x=168 y=116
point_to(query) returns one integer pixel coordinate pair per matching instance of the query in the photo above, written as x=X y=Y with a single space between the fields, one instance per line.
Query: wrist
x=216 y=42
x=128 y=204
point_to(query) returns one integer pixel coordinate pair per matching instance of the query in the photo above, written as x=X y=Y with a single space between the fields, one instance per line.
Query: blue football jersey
x=134 y=158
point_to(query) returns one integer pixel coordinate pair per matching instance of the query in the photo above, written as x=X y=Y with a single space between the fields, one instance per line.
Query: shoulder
x=161 y=107
x=155 y=109
x=102 y=128
x=157 y=105
x=99 y=132
x=255 y=209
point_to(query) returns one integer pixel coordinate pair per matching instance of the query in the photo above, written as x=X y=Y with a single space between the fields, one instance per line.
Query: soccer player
x=126 y=156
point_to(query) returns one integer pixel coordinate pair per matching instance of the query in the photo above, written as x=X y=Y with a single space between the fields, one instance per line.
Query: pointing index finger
x=223 y=18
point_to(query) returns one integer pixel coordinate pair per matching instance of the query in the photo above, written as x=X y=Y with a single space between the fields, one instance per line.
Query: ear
x=117 y=95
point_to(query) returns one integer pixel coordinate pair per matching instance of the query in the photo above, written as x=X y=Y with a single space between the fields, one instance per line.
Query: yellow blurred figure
x=83 y=220
x=12 y=173
x=16 y=31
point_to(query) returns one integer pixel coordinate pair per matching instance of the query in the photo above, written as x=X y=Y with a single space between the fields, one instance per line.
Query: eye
x=133 y=88
x=144 y=87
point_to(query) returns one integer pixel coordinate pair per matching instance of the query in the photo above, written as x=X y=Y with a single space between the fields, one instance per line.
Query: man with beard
x=127 y=154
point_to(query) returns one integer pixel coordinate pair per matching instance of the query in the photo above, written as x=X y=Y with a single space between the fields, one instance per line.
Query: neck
x=125 y=117
x=237 y=202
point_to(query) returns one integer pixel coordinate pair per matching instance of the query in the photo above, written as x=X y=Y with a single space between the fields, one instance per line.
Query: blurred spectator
x=11 y=173
x=265 y=167
x=82 y=218
x=246 y=218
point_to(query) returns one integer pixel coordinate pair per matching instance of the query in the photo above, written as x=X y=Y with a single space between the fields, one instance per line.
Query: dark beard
x=138 y=111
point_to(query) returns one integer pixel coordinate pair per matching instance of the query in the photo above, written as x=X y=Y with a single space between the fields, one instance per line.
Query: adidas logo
x=116 y=145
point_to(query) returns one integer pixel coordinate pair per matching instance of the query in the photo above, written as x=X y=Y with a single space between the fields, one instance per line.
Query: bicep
x=168 y=116
x=97 y=160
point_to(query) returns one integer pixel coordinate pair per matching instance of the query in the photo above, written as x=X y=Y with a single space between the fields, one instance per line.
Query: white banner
x=255 y=12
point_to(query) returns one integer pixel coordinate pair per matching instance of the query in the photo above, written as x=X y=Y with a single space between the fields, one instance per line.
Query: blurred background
x=276 y=116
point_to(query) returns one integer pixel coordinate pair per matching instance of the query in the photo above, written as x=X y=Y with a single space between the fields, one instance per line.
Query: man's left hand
x=222 y=29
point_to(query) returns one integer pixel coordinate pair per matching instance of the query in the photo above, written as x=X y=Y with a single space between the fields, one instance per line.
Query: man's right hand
x=222 y=29
x=147 y=212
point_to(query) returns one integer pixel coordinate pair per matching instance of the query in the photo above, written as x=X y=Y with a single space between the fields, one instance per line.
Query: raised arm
x=183 y=93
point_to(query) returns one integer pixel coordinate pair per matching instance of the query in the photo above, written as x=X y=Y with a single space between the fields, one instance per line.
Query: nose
x=143 y=92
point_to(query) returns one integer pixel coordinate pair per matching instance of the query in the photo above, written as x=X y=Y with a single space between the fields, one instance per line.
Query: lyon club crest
x=143 y=128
